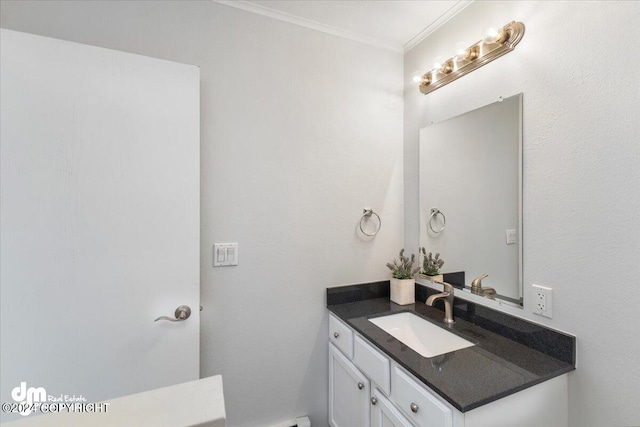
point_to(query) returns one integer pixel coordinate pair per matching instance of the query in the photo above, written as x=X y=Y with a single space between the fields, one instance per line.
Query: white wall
x=300 y=131
x=578 y=68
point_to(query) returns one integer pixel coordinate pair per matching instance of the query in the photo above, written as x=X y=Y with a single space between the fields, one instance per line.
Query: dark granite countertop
x=510 y=354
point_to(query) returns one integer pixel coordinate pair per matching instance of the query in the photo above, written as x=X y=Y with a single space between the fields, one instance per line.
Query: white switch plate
x=225 y=254
x=511 y=237
x=542 y=300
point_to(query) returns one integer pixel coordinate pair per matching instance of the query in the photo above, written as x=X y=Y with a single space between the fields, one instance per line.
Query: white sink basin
x=422 y=336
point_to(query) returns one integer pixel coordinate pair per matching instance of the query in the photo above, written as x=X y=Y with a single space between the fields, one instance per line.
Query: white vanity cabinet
x=349 y=392
x=366 y=388
x=341 y=336
x=384 y=414
x=420 y=405
x=375 y=365
x=354 y=399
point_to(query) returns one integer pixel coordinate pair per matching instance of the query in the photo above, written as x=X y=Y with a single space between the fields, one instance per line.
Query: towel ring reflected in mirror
x=366 y=215
x=434 y=215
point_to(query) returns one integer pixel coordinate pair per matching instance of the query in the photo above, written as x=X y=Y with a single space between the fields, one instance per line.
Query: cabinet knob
x=414 y=407
x=373 y=400
x=360 y=386
x=336 y=335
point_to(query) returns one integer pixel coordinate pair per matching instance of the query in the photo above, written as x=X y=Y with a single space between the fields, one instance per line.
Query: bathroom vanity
x=503 y=371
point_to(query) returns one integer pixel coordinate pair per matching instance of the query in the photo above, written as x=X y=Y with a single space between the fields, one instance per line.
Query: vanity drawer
x=374 y=364
x=341 y=335
x=420 y=405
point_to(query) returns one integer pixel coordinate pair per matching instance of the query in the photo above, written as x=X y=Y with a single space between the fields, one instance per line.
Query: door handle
x=182 y=313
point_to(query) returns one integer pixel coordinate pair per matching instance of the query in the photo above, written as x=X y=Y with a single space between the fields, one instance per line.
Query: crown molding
x=457 y=8
x=308 y=23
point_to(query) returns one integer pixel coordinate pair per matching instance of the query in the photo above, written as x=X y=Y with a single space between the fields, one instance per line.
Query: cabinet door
x=420 y=405
x=341 y=336
x=349 y=392
x=384 y=414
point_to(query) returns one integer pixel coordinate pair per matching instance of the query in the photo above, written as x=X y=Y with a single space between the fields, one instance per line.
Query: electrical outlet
x=542 y=301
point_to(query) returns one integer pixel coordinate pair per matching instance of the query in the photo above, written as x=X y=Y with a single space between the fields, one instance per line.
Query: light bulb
x=416 y=77
x=437 y=62
x=460 y=51
x=490 y=35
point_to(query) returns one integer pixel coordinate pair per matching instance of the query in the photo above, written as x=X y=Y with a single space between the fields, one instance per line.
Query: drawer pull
x=360 y=386
x=414 y=407
x=373 y=400
x=336 y=334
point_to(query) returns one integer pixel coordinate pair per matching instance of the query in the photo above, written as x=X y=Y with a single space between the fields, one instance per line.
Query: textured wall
x=300 y=131
x=577 y=67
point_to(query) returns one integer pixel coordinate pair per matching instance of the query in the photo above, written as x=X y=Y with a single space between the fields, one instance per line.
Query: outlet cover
x=542 y=298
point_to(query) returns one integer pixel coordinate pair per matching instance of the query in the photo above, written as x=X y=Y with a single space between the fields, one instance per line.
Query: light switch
x=511 y=237
x=225 y=254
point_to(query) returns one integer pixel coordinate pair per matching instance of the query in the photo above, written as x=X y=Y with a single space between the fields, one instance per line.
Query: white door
x=349 y=392
x=100 y=219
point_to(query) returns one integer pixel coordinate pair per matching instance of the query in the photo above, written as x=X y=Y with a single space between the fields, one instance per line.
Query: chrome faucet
x=476 y=287
x=447 y=296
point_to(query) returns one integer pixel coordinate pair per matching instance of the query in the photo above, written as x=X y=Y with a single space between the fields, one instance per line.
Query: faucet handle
x=447 y=286
x=477 y=282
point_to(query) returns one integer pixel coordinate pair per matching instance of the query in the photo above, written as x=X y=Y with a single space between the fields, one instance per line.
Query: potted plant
x=402 y=282
x=431 y=266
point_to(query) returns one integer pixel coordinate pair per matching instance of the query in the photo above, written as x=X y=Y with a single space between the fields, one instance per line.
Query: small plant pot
x=403 y=291
x=438 y=278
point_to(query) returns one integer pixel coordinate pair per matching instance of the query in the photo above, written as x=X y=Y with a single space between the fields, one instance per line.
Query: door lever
x=182 y=313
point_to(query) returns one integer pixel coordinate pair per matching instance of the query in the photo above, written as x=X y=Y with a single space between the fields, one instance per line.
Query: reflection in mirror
x=471 y=177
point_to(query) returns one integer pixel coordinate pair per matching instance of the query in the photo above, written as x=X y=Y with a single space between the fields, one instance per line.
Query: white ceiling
x=396 y=25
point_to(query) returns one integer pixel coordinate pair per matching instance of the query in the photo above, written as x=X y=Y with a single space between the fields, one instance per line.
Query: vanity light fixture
x=494 y=44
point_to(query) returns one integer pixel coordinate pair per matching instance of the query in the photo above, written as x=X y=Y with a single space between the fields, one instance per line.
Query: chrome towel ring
x=366 y=214
x=434 y=214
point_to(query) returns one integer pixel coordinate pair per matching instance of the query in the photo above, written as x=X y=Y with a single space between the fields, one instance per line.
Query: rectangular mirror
x=471 y=174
